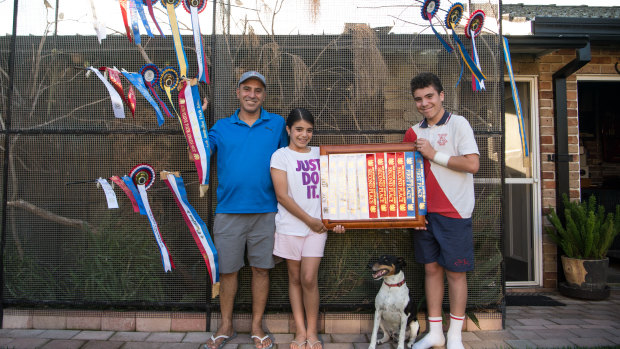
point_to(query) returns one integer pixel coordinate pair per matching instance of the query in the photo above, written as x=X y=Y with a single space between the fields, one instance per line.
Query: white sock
x=454 y=332
x=434 y=337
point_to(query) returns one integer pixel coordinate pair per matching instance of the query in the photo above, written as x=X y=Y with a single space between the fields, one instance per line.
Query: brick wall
x=602 y=63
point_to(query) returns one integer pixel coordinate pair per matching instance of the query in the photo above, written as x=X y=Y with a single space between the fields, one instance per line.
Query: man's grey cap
x=252 y=75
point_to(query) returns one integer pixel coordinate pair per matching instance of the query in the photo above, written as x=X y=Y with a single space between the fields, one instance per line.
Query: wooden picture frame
x=347 y=170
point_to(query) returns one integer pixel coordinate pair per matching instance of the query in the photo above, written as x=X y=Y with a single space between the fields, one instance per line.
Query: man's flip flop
x=261 y=340
x=221 y=345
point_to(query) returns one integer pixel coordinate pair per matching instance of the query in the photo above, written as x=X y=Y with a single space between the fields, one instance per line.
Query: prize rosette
x=169 y=79
x=171 y=2
x=475 y=24
x=429 y=9
x=143 y=174
x=150 y=73
x=454 y=15
x=200 y=4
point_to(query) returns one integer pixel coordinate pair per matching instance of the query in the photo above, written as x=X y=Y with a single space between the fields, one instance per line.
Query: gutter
x=560 y=111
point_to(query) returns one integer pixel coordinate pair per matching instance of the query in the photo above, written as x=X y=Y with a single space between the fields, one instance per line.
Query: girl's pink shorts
x=296 y=247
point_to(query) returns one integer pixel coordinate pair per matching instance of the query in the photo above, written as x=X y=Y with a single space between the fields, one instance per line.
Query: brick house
x=566 y=63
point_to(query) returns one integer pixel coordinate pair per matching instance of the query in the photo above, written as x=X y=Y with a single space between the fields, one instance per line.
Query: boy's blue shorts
x=447 y=241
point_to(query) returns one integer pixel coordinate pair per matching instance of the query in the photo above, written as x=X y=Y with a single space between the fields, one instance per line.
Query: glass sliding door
x=522 y=218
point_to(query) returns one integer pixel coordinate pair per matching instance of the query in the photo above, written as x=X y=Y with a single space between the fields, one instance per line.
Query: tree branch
x=50 y=216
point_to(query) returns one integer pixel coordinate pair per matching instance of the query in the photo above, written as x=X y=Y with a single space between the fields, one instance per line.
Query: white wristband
x=441 y=158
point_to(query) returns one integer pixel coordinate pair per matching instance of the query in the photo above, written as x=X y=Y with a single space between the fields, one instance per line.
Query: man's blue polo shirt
x=243 y=158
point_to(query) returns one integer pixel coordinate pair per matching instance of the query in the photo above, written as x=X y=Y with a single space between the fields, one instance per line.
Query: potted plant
x=585 y=235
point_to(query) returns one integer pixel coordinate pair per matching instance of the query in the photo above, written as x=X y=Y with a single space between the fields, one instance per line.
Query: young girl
x=300 y=234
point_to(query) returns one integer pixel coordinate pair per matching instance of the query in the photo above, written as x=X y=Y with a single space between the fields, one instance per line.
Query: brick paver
x=579 y=323
x=63 y=344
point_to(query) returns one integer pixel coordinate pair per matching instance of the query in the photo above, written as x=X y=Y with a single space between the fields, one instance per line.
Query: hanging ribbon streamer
x=429 y=9
x=195 y=130
x=131 y=100
x=98 y=25
x=129 y=183
x=176 y=36
x=165 y=255
x=115 y=79
x=150 y=74
x=137 y=81
x=134 y=22
x=117 y=101
x=118 y=181
x=473 y=29
x=168 y=81
x=149 y=4
x=515 y=97
x=109 y=193
x=453 y=17
x=455 y=13
x=197 y=227
x=140 y=179
x=194 y=7
x=145 y=23
x=124 y=9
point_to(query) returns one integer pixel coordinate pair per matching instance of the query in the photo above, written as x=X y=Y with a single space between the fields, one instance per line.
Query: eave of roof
x=562 y=29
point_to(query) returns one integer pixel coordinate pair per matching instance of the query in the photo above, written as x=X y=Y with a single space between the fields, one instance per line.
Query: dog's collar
x=398 y=284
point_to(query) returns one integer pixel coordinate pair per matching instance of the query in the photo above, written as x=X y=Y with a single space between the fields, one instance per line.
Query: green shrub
x=587 y=231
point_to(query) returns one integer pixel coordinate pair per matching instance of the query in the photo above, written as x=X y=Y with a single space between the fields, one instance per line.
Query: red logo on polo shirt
x=442 y=139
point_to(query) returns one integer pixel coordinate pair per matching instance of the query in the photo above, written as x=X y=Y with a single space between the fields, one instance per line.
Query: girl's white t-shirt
x=303 y=176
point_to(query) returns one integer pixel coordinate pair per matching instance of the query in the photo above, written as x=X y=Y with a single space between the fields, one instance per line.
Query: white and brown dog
x=394 y=312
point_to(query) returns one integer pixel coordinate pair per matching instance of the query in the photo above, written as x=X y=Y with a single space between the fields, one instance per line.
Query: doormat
x=532 y=301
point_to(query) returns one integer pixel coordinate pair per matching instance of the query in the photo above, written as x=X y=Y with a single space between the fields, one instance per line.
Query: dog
x=394 y=311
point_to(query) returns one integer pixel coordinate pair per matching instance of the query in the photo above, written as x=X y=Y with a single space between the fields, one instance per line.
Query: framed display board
x=370 y=186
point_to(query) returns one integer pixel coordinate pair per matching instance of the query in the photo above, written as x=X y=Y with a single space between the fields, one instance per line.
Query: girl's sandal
x=298 y=345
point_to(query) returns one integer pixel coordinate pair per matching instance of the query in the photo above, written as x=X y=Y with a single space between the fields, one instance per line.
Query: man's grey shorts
x=233 y=232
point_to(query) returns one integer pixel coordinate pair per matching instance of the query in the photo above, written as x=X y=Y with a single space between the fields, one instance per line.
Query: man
x=246 y=208
x=451 y=157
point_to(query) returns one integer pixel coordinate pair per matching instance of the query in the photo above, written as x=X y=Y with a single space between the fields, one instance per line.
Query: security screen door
x=522 y=244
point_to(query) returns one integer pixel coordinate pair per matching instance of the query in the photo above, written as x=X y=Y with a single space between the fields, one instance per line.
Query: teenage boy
x=445 y=247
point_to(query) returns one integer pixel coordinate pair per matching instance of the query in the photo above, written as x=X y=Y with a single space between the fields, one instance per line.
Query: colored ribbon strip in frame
x=176 y=36
x=117 y=101
x=137 y=81
x=420 y=183
x=196 y=225
x=163 y=249
x=515 y=97
x=194 y=7
x=149 y=4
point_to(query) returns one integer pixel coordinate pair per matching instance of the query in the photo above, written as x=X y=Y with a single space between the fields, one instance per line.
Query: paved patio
x=579 y=323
